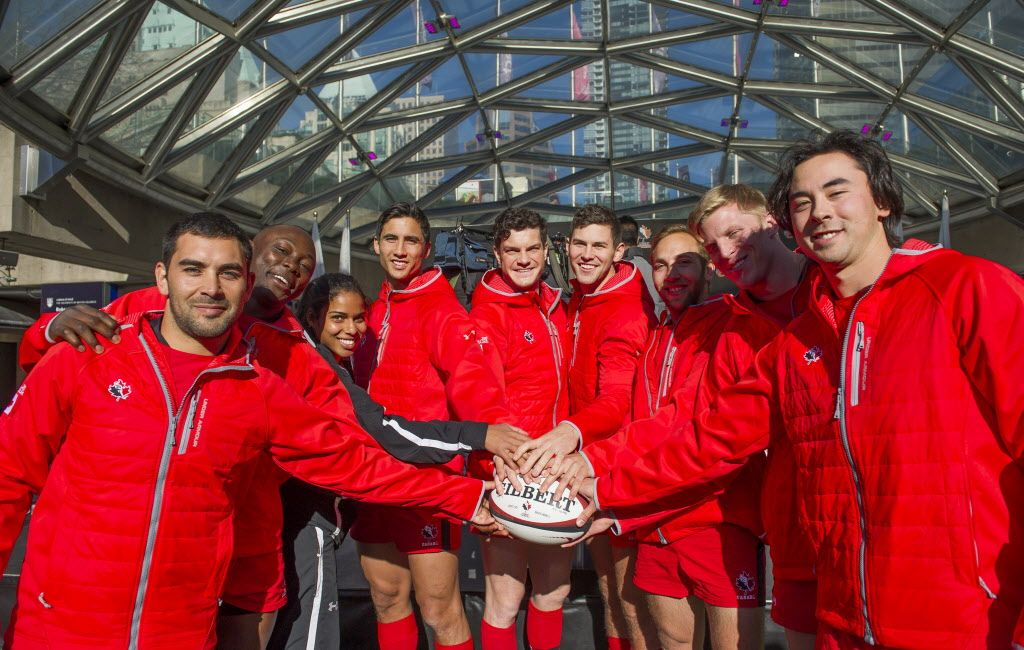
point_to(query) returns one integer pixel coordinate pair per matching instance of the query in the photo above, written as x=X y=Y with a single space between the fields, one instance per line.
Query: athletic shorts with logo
x=412 y=530
x=722 y=565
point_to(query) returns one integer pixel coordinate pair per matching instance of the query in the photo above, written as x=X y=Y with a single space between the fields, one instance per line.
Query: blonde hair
x=746 y=198
x=676 y=229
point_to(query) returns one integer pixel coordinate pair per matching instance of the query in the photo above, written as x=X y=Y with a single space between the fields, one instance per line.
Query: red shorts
x=722 y=565
x=793 y=603
x=412 y=530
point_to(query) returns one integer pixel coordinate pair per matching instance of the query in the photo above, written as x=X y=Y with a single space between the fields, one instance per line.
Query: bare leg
x=435 y=578
x=680 y=621
x=642 y=631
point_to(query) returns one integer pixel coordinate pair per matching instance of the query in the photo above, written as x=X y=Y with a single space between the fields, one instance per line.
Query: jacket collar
x=625 y=273
x=235 y=352
x=493 y=288
x=426 y=282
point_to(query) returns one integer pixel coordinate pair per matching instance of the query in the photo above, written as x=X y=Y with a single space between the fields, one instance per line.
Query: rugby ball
x=539 y=517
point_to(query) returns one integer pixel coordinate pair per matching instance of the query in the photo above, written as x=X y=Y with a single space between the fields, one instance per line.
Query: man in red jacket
x=523 y=319
x=431 y=364
x=610 y=317
x=151 y=513
x=896 y=391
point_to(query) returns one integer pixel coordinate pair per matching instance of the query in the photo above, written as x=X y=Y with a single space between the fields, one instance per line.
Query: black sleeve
x=434 y=441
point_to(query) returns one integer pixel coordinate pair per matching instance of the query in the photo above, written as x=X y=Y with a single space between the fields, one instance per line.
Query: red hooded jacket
x=670 y=385
x=907 y=429
x=145 y=489
x=609 y=329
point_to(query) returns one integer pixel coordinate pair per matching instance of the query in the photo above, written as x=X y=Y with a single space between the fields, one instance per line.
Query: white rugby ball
x=539 y=517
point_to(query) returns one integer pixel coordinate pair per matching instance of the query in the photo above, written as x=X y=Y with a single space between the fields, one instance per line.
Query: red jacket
x=132 y=532
x=609 y=329
x=431 y=363
x=670 y=385
x=525 y=331
x=907 y=428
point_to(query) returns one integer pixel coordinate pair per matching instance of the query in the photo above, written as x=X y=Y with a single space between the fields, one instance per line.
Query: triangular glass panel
x=889 y=61
x=629 y=139
x=585 y=141
x=413 y=187
x=490 y=70
x=295 y=47
x=583 y=84
x=706 y=114
x=929 y=186
x=564 y=23
x=700 y=170
x=596 y=190
x=471 y=13
x=521 y=177
x=633 y=19
x=943 y=81
x=369 y=206
x=200 y=168
x=346 y=95
x=725 y=55
x=165 y=34
x=300 y=121
x=515 y=125
x=329 y=173
x=246 y=75
x=763 y=122
x=852 y=11
x=59 y=88
x=741 y=170
x=778 y=62
x=1000 y=23
x=942 y=13
x=260 y=194
x=996 y=158
x=909 y=140
x=482 y=188
x=405 y=28
x=134 y=133
x=843 y=114
x=664 y=19
x=629 y=81
x=444 y=83
x=29 y=24
x=228 y=9
x=632 y=191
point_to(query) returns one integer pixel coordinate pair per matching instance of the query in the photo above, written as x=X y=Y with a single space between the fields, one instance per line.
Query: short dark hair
x=209 y=225
x=630 y=230
x=404 y=210
x=518 y=219
x=597 y=215
x=320 y=292
x=870 y=157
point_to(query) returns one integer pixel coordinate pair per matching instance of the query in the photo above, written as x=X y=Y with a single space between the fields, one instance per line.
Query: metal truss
x=957 y=147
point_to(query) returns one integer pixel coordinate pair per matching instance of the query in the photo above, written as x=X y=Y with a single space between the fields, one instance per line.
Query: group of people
x=853 y=407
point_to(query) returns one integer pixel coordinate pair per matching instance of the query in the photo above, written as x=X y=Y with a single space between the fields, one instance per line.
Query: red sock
x=465 y=645
x=498 y=638
x=615 y=643
x=543 y=629
x=398 y=635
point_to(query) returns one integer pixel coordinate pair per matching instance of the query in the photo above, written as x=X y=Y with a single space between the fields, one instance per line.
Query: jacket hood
x=493 y=289
x=625 y=281
x=903 y=260
x=429 y=282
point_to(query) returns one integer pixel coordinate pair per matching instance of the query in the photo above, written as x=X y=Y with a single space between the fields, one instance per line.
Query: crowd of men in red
x=856 y=406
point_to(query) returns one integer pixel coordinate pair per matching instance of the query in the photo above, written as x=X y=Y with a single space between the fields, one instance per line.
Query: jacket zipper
x=158 y=489
x=840 y=414
x=977 y=555
x=556 y=350
x=858 y=351
x=647 y=384
x=575 y=335
x=186 y=431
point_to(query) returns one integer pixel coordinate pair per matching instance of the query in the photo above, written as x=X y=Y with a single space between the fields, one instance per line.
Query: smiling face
x=593 y=253
x=521 y=257
x=206 y=284
x=342 y=323
x=737 y=242
x=835 y=217
x=679 y=271
x=283 y=262
x=402 y=248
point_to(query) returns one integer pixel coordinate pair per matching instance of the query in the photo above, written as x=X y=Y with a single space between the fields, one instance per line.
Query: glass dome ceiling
x=272 y=111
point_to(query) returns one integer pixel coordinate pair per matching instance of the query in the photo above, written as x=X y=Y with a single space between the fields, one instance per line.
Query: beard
x=199 y=327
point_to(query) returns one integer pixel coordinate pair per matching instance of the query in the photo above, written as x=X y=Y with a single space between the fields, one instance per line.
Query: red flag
x=580 y=76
